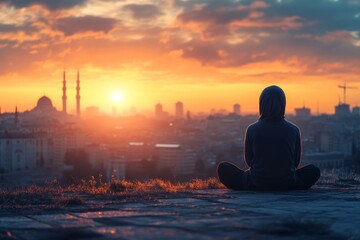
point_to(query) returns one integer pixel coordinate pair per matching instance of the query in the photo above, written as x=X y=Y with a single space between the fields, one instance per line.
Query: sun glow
x=117 y=97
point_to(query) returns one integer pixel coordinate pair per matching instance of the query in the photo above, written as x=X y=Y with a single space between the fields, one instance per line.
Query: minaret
x=16 y=116
x=64 y=93
x=78 y=95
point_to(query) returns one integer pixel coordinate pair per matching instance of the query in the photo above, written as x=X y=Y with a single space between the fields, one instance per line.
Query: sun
x=117 y=97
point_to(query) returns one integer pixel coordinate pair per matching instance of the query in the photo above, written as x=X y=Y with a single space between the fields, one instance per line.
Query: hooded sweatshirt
x=272 y=144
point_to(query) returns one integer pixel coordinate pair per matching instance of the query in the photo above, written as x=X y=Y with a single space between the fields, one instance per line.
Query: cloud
x=7 y=28
x=50 y=4
x=72 y=25
x=143 y=11
x=230 y=34
x=325 y=15
x=269 y=37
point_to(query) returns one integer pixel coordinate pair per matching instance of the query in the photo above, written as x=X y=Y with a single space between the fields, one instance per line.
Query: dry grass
x=53 y=195
x=158 y=185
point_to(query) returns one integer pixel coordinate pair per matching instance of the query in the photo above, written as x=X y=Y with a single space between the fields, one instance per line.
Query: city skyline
x=217 y=53
x=176 y=110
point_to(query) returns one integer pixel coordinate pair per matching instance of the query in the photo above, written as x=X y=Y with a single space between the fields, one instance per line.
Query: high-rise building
x=188 y=115
x=303 y=112
x=16 y=119
x=175 y=158
x=64 y=93
x=356 y=111
x=236 y=108
x=342 y=110
x=78 y=95
x=158 y=110
x=179 y=110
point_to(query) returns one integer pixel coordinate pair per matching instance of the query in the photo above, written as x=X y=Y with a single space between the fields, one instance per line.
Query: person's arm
x=248 y=149
x=298 y=149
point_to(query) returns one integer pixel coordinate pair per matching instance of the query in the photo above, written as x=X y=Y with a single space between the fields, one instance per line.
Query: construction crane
x=345 y=87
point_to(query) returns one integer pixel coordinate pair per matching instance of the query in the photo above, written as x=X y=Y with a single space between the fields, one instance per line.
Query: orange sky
x=207 y=54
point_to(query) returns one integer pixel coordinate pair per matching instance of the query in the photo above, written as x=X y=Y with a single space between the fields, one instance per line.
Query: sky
x=209 y=54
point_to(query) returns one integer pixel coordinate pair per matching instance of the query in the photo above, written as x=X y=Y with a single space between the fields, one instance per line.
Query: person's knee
x=317 y=172
x=221 y=168
x=315 y=169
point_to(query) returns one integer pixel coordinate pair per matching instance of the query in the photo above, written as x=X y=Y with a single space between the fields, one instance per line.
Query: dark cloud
x=324 y=15
x=223 y=33
x=143 y=11
x=214 y=12
x=27 y=27
x=50 y=4
x=316 y=17
x=72 y=25
x=317 y=33
x=7 y=28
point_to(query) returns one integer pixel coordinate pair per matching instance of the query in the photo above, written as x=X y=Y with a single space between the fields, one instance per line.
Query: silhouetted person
x=272 y=151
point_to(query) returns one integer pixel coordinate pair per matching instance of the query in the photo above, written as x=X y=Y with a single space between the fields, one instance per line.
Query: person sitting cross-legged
x=272 y=152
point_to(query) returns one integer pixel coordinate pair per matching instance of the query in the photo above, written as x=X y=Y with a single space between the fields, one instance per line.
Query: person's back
x=272 y=144
x=272 y=151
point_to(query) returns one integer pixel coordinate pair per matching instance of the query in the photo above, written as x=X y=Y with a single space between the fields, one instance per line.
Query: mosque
x=45 y=109
x=39 y=137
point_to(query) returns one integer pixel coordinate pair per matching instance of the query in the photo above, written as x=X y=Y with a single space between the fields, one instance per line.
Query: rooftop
x=163 y=145
x=195 y=210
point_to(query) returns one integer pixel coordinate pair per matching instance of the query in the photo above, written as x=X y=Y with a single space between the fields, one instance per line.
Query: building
x=335 y=141
x=342 y=110
x=19 y=151
x=40 y=137
x=115 y=168
x=236 y=108
x=303 y=113
x=324 y=160
x=64 y=97
x=158 y=110
x=356 y=111
x=175 y=158
x=179 y=110
x=78 y=111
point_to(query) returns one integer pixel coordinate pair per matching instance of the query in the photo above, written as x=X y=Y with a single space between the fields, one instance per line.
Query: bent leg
x=231 y=176
x=307 y=176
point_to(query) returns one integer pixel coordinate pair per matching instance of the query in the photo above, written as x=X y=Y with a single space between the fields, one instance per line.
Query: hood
x=272 y=103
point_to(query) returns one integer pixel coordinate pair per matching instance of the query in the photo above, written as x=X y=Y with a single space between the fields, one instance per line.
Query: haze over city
x=179 y=119
x=207 y=54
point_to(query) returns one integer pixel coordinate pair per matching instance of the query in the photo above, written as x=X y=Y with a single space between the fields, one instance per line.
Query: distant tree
x=41 y=161
x=78 y=158
x=166 y=173
x=142 y=170
x=148 y=168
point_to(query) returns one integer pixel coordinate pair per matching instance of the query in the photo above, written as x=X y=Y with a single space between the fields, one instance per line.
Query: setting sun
x=117 y=97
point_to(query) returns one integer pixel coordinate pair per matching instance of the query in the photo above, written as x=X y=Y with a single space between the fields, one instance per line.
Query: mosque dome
x=44 y=102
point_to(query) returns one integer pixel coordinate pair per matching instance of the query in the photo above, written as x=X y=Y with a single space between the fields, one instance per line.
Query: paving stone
x=131 y=206
x=322 y=213
x=65 y=220
x=111 y=214
x=133 y=232
x=20 y=222
x=58 y=234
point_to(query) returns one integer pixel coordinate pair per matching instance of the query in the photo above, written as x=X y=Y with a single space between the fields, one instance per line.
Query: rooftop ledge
x=156 y=209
